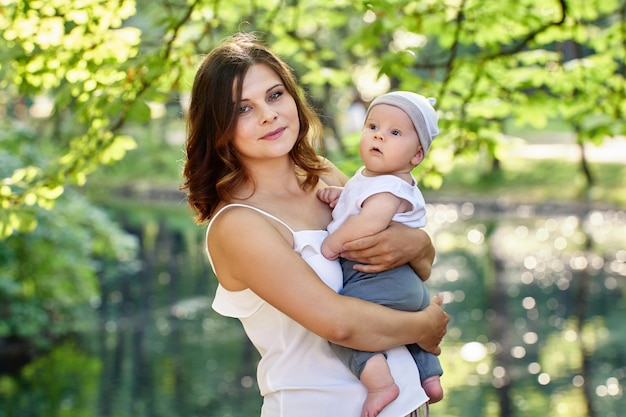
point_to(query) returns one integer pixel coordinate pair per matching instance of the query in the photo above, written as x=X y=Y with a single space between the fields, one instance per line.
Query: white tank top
x=299 y=374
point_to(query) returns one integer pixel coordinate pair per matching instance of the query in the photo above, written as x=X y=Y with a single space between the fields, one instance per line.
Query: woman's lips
x=274 y=134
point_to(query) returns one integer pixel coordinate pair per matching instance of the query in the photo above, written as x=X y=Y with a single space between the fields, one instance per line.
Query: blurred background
x=105 y=289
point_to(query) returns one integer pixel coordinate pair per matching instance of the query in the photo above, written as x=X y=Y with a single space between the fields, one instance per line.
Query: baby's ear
x=418 y=157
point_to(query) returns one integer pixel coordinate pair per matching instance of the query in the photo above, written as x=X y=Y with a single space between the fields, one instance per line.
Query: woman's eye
x=275 y=95
x=244 y=109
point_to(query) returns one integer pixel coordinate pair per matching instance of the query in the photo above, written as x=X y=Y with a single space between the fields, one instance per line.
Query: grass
x=535 y=181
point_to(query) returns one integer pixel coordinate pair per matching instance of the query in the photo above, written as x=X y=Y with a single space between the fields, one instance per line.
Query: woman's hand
x=394 y=246
x=433 y=326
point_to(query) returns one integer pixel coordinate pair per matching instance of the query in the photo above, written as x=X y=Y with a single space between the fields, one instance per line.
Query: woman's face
x=268 y=123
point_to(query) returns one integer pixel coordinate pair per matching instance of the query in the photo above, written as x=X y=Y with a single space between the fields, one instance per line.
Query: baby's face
x=389 y=142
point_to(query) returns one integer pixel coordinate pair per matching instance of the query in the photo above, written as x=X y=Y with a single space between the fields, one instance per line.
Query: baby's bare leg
x=433 y=389
x=381 y=388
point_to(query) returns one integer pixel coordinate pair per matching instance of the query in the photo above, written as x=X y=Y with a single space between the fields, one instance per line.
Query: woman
x=251 y=169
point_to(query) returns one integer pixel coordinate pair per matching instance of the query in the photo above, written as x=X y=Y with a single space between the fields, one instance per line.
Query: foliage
x=49 y=385
x=50 y=275
x=103 y=62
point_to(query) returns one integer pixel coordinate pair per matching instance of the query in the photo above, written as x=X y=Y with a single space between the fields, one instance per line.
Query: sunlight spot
x=530 y=262
x=562 y=408
x=601 y=391
x=493 y=347
x=610 y=283
x=475 y=237
x=618 y=267
x=452 y=275
x=498 y=383
x=557 y=265
x=543 y=379
x=247 y=381
x=521 y=231
x=596 y=218
x=542 y=235
x=613 y=386
x=528 y=303
x=563 y=284
x=490 y=315
x=597 y=262
x=163 y=326
x=369 y=16
x=530 y=338
x=534 y=368
x=527 y=278
x=452 y=216
x=552 y=303
x=459 y=296
x=578 y=381
x=512 y=291
x=467 y=209
x=518 y=352
x=482 y=369
x=472 y=381
x=164 y=278
x=560 y=243
x=551 y=224
x=42 y=107
x=440 y=215
x=110 y=326
x=532 y=314
x=476 y=314
x=454 y=332
x=473 y=352
x=621 y=255
x=448 y=297
x=556 y=321
x=570 y=336
x=499 y=372
x=403 y=39
x=95 y=302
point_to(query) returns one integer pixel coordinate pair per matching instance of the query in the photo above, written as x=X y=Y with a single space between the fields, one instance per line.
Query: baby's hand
x=329 y=195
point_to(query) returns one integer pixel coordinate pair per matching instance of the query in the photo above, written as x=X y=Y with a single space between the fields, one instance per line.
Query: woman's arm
x=251 y=251
x=394 y=246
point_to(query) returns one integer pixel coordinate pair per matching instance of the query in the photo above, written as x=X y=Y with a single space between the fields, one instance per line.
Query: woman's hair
x=212 y=168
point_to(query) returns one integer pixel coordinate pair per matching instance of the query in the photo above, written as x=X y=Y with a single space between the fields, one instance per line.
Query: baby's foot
x=432 y=386
x=378 y=399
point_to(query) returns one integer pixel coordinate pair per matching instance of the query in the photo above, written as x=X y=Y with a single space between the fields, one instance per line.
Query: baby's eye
x=396 y=132
x=371 y=126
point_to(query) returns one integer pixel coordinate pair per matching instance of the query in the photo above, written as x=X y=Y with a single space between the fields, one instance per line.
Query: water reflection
x=535 y=294
x=543 y=296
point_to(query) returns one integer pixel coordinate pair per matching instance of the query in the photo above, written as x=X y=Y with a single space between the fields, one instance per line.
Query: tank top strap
x=240 y=205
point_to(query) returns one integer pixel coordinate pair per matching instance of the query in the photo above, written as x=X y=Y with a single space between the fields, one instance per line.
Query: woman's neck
x=270 y=177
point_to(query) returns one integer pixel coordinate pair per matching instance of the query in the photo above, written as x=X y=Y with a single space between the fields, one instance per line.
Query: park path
x=612 y=150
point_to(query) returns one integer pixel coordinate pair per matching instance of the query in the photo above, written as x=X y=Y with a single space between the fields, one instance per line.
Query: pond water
x=538 y=326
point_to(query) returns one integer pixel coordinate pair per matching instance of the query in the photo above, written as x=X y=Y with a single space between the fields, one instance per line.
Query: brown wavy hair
x=212 y=169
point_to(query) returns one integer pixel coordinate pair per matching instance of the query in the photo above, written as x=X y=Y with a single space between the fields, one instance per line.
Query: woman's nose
x=269 y=115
